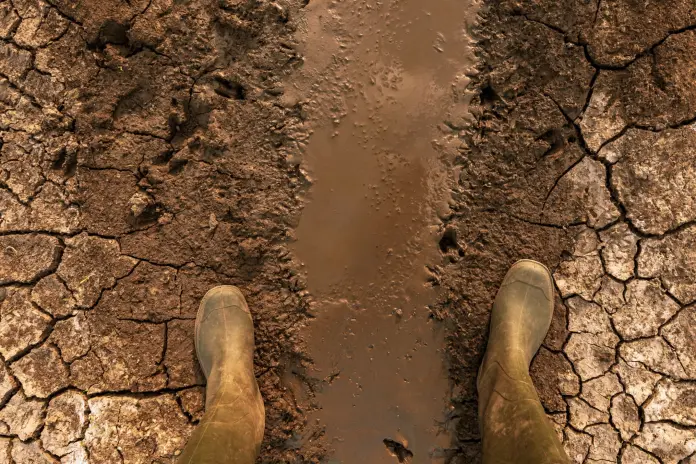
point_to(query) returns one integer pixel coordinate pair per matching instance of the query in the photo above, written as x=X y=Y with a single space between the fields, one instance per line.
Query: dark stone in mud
x=402 y=453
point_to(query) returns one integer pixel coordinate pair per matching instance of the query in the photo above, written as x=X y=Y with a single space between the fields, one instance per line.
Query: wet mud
x=383 y=79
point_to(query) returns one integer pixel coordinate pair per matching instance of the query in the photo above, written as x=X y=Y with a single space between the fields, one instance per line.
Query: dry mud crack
x=582 y=155
x=148 y=151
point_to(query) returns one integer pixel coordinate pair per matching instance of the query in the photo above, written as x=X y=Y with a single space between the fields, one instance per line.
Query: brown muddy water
x=388 y=81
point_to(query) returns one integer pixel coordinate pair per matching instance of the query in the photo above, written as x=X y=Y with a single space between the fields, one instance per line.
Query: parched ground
x=143 y=160
x=583 y=155
x=147 y=154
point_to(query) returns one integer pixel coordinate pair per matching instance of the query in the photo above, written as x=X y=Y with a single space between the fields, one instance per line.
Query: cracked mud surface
x=149 y=150
x=142 y=161
x=582 y=156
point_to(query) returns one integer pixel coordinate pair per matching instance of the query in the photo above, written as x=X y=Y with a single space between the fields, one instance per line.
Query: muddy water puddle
x=388 y=81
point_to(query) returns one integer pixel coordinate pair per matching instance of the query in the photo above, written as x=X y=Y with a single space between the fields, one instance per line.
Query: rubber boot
x=232 y=428
x=514 y=426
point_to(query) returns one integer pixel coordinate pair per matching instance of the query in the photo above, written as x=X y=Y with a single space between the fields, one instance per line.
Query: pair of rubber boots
x=514 y=427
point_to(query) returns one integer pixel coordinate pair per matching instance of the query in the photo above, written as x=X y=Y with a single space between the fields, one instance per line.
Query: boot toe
x=223 y=325
x=222 y=296
x=532 y=274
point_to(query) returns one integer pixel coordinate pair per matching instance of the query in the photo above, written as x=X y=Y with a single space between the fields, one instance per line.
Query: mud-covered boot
x=514 y=427
x=232 y=428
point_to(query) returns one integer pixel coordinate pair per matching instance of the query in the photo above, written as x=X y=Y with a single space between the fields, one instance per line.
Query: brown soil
x=327 y=159
x=369 y=228
x=145 y=144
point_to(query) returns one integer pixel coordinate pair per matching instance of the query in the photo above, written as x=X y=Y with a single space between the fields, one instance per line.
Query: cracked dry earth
x=148 y=153
x=142 y=162
x=583 y=155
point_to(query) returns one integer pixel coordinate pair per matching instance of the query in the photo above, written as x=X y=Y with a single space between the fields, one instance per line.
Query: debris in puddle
x=398 y=450
x=369 y=227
